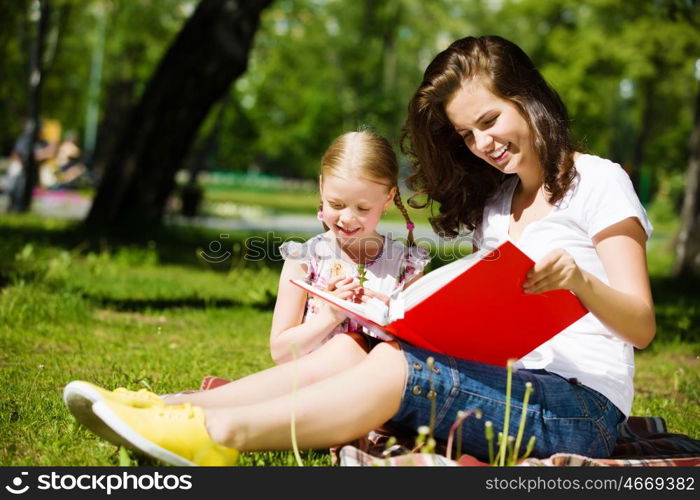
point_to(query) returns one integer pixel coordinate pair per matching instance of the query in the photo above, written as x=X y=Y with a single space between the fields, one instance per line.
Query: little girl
x=358 y=182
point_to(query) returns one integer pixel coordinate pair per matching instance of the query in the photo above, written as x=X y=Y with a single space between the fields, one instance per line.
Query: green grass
x=154 y=314
x=118 y=317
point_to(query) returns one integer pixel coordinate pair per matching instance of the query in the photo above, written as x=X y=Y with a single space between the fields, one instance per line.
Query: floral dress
x=387 y=274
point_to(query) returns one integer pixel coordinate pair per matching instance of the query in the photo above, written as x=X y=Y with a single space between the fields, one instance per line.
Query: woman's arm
x=288 y=326
x=626 y=305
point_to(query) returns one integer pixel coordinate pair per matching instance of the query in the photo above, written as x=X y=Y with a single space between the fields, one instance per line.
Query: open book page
x=376 y=311
x=373 y=310
x=427 y=285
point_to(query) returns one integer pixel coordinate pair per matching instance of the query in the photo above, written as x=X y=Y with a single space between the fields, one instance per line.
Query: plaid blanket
x=352 y=456
x=642 y=441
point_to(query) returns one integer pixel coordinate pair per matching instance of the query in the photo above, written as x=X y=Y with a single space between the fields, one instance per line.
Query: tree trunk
x=645 y=130
x=688 y=242
x=21 y=197
x=119 y=101
x=209 y=53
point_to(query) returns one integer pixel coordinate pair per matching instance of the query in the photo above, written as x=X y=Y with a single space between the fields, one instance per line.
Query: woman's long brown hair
x=444 y=169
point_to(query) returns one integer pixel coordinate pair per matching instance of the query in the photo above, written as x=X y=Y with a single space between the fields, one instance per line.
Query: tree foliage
x=319 y=67
x=625 y=69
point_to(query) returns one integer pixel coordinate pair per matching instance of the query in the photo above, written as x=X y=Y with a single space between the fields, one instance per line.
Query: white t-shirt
x=601 y=196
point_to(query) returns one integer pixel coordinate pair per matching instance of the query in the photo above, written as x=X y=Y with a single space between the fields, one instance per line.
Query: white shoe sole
x=79 y=398
x=126 y=436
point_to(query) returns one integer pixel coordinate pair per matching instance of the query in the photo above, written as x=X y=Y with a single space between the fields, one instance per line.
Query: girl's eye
x=363 y=209
x=491 y=121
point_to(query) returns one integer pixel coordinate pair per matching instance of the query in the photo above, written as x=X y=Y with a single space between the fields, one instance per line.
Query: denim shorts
x=563 y=415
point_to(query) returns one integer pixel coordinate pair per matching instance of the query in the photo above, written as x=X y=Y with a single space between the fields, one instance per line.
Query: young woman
x=490 y=143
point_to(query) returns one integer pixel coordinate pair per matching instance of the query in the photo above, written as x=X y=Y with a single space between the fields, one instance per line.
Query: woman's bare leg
x=334 y=410
x=338 y=354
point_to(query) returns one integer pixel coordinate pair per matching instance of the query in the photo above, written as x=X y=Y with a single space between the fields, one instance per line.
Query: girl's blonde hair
x=365 y=155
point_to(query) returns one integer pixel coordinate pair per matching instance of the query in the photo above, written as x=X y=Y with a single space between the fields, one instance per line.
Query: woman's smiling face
x=492 y=128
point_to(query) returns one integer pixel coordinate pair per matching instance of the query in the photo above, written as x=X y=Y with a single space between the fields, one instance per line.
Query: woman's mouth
x=500 y=154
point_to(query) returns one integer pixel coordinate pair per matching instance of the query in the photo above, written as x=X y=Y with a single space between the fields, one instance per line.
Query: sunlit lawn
x=156 y=315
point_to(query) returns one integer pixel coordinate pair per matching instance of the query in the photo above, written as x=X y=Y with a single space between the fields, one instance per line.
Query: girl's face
x=492 y=128
x=352 y=207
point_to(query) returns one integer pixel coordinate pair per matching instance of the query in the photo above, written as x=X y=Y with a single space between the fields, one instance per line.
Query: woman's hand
x=556 y=270
x=624 y=304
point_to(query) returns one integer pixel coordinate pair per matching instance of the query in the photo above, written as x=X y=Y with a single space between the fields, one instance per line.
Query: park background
x=202 y=125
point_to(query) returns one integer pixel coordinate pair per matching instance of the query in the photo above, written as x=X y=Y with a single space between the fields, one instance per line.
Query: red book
x=473 y=308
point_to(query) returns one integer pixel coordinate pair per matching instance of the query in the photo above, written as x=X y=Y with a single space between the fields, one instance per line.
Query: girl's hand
x=371 y=294
x=557 y=270
x=343 y=288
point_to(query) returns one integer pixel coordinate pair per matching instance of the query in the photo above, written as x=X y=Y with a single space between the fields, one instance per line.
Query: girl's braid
x=409 y=223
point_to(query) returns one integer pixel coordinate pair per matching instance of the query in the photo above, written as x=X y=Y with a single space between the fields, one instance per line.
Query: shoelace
x=179 y=412
x=145 y=393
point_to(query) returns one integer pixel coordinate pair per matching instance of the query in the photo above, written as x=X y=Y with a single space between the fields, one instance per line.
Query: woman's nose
x=482 y=141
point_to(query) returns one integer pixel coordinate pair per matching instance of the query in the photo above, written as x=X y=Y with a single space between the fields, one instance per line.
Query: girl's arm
x=288 y=326
x=626 y=305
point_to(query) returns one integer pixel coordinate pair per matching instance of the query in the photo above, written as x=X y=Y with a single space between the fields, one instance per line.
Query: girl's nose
x=346 y=215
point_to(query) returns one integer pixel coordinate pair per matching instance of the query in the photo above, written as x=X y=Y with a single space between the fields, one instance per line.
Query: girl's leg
x=338 y=354
x=334 y=410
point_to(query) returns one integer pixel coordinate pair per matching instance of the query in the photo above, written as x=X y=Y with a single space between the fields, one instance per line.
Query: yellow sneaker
x=83 y=393
x=174 y=434
x=79 y=397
